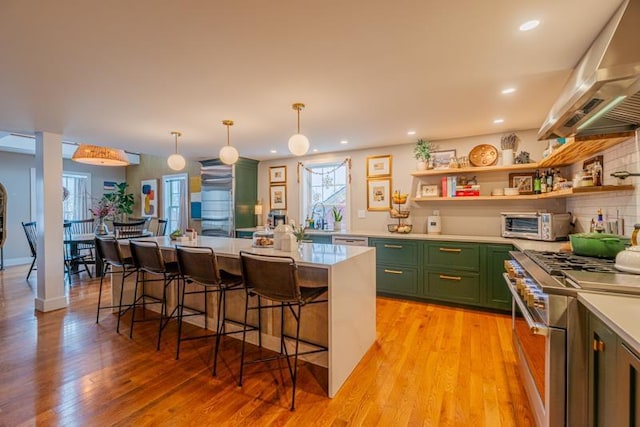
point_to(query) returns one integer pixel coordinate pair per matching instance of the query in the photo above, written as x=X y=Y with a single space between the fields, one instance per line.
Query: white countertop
x=620 y=313
x=521 y=244
x=316 y=255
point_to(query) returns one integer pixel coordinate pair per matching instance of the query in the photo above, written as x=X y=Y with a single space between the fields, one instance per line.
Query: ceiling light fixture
x=176 y=161
x=498 y=121
x=100 y=156
x=508 y=90
x=529 y=25
x=228 y=154
x=273 y=151
x=411 y=132
x=315 y=150
x=298 y=143
x=344 y=141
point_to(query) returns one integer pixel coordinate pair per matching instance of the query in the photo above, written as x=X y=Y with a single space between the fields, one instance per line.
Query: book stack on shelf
x=451 y=188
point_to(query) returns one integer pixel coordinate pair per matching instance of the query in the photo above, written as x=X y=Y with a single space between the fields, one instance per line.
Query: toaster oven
x=535 y=225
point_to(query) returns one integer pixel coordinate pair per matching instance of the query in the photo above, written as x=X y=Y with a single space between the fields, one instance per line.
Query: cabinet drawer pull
x=598 y=346
x=450 y=250
x=393 y=271
x=442 y=276
x=393 y=246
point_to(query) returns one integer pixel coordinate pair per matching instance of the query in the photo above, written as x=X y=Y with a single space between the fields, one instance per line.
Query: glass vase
x=101 y=228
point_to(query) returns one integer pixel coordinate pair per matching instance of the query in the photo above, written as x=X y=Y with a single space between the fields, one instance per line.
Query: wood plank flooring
x=431 y=365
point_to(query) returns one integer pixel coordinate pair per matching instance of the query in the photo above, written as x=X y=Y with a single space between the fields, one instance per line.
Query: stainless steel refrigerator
x=217 y=199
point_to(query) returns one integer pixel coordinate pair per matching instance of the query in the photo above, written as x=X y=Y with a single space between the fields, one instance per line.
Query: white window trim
x=346 y=220
x=166 y=178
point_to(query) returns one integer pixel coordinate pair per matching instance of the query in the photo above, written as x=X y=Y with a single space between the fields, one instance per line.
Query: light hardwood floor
x=431 y=365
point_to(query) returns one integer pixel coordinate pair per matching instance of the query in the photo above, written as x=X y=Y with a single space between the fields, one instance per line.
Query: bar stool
x=147 y=258
x=199 y=266
x=109 y=251
x=276 y=278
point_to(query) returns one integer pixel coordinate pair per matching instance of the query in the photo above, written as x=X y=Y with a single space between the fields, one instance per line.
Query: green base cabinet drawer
x=453 y=286
x=326 y=239
x=459 y=256
x=399 y=252
x=397 y=280
x=244 y=235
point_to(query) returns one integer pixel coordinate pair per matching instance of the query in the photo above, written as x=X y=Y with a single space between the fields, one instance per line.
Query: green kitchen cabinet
x=397 y=270
x=627 y=394
x=244 y=234
x=453 y=255
x=453 y=286
x=319 y=238
x=497 y=295
x=396 y=251
x=602 y=361
x=245 y=192
x=397 y=280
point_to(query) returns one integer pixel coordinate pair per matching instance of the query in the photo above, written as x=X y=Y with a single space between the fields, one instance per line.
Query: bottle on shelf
x=599 y=226
x=543 y=183
x=549 y=180
x=536 y=182
x=597 y=174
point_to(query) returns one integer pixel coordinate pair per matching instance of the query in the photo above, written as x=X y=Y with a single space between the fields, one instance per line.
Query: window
x=78 y=201
x=174 y=201
x=325 y=186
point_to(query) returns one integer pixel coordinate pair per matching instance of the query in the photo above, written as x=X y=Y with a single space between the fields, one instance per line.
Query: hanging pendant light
x=298 y=143
x=176 y=161
x=228 y=154
x=100 y=156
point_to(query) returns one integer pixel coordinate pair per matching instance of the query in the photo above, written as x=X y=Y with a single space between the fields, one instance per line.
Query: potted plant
x=422 y=153
x=121 y=200
x=337 y=218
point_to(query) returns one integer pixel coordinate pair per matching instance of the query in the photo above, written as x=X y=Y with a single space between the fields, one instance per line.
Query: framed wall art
x=149 y=198
x=278 y=196
x=277 y=174
x=379 y=166
x=379 y=194
x=441 y=159
x=523 y=181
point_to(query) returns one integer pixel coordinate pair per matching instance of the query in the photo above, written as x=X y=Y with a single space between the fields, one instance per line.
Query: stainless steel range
x=549 y=327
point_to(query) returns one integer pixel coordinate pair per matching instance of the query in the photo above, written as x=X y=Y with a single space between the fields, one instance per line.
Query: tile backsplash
x=621 y=204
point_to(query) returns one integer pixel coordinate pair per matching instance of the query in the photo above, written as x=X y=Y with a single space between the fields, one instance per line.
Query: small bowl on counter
x=399 y=228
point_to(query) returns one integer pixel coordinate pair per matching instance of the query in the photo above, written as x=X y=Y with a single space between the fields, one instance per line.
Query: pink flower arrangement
x=102 y=209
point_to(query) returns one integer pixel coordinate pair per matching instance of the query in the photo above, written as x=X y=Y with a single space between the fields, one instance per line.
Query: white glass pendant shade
x=299 y=144
x=176 y=162
x=228 y=155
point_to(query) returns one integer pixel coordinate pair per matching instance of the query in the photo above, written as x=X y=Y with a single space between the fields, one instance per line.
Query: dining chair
x=148 y=260
x=84 y=227
x=199 y=267
x=275 y=278
x=129 y=230
x=161 y=228
x=146 y=219
x=31 y=231
x=109 y=251
x=72 y=254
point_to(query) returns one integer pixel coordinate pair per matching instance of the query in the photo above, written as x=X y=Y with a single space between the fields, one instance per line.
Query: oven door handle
x=536 y=328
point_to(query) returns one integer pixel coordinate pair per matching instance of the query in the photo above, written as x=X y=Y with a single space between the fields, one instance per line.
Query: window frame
x=306 y=184
x=88 y=197
x=166 y=179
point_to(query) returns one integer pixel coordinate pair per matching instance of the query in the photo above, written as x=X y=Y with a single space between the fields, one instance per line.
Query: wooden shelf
x=582 y=148
x=571 y=192
x=457 y=171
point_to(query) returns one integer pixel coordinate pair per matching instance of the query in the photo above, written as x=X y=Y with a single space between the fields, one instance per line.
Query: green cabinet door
x=396 y=280
x=628 y=391
x=454 y=286
x=498 y=295
x=245 y=192
x=395 y=251
x=319 y=238
x=602 y=373
x=244 y=235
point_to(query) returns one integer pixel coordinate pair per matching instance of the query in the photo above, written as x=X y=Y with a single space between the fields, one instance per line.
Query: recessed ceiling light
x=315 y=150
x=344 y=141
x=411 y=132
x=273 y=151
x=498 y=121
x=508 y=90
x=529 y=25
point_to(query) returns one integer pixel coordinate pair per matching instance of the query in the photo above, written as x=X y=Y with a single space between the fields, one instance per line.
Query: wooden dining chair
x=73 y=257
x=84 y=227
x=161 y=228
x=129 y=230
x=31 y=231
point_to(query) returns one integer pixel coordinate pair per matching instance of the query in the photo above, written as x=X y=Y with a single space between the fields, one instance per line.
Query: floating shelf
x=559 y=194
x=457 y=171
x=583 y=147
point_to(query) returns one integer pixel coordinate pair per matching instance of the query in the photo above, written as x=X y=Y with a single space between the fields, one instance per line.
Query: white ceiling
x=126 y=73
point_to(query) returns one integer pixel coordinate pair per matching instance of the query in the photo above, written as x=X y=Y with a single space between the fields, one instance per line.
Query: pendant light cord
x=298 y=119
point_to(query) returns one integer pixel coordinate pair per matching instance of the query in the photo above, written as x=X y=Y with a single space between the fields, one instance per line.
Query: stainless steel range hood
x=603 y=94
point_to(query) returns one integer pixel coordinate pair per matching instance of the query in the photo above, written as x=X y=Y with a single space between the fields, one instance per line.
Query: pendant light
x=228 y=154
x=100 y=156
x=176 y=161
x=298 y=143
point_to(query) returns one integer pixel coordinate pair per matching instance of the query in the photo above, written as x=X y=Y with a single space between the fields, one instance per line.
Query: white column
x=50 y=260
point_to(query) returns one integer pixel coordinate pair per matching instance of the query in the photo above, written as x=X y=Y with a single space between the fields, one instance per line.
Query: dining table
x=88 y=241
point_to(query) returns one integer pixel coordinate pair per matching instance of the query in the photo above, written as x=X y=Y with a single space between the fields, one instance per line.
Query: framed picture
x=379 y=194
x=441 y=159
x=523 y=181
x=149 y=198
x=429 y=191
x=277 y=174
x=278 y=196
x=378 y=166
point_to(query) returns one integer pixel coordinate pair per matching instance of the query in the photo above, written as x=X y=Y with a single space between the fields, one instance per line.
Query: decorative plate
x=483 y=155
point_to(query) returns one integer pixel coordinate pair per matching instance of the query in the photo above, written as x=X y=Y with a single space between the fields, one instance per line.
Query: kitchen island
x=346 y=324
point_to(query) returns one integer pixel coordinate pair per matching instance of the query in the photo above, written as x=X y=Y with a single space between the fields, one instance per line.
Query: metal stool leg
x=244 y=338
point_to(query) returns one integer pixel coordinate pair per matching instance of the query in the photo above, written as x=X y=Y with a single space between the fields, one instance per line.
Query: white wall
x=626 y=204
x=468 y=217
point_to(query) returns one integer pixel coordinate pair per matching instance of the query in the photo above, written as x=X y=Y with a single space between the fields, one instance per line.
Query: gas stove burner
x=555 y=263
